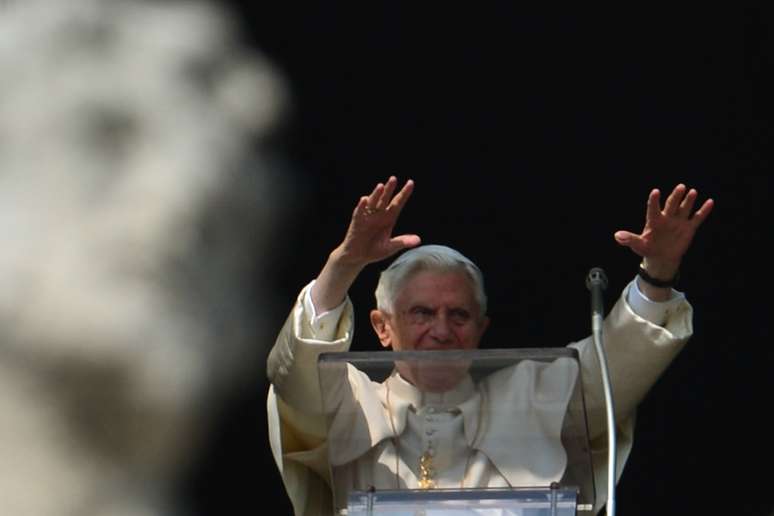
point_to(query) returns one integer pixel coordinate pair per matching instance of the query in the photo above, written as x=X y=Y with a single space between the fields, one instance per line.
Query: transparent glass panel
x=433 y=423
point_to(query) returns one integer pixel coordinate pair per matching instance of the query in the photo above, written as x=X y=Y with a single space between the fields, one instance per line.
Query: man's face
x=435 y=310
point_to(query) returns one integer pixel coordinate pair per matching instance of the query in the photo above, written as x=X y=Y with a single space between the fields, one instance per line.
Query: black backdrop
x=533 y=135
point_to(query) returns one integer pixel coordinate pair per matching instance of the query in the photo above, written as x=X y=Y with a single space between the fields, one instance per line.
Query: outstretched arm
x=369 y=239
x=666 y=237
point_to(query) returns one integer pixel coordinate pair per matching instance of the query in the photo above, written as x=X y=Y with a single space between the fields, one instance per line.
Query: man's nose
x=441 y=329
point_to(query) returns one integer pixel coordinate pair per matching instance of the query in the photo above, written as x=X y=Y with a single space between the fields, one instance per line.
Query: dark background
x=533 y=135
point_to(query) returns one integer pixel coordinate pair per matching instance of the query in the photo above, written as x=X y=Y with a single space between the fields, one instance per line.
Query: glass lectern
x=483 y=432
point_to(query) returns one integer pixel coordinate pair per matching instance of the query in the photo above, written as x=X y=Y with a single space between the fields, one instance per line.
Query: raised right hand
x=369 y=236
x=369 y=239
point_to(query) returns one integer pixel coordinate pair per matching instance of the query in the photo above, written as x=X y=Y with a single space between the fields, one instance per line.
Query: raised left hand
x=668 y=232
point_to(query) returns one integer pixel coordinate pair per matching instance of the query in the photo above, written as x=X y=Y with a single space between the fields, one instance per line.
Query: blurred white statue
x=134 y=202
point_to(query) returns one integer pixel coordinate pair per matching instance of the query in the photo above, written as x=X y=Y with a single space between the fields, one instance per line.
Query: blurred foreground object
x=135 y=201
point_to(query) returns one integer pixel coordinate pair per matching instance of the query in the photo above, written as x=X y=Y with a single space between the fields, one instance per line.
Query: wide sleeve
x=292 y=362
x=296 y=424
x=638 y=352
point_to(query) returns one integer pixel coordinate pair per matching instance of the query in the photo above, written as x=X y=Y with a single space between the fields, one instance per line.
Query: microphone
x=596 y=282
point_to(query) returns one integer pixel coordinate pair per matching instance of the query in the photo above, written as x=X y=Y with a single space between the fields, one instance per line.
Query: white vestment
x=472 y=429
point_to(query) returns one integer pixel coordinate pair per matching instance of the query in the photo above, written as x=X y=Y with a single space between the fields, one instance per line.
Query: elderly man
x=432 y=298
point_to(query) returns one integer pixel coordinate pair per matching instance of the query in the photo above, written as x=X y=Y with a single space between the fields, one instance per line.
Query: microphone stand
x=596 y=282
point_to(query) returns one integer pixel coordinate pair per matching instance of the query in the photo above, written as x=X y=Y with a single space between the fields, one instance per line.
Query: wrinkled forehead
x=434 y=286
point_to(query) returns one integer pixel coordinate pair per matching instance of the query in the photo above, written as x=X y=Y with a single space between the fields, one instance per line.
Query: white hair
x=422 y=258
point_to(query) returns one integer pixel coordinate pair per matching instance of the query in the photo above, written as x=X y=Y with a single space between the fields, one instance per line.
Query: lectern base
x=547 y=501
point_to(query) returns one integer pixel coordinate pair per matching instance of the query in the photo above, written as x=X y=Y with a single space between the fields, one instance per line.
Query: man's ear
x=484 y=324
x=381 y=327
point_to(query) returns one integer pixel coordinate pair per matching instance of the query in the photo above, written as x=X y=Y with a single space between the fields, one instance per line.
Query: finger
x=674 y=200
x=360 y=207
x=404 y=242
x=400 y=199
x=627 y=238
x=630 y=240
x=685 y=208
x=387 y=193
x=703 y=212
x=624 y=237
x=654 y=207
x=373 y=199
